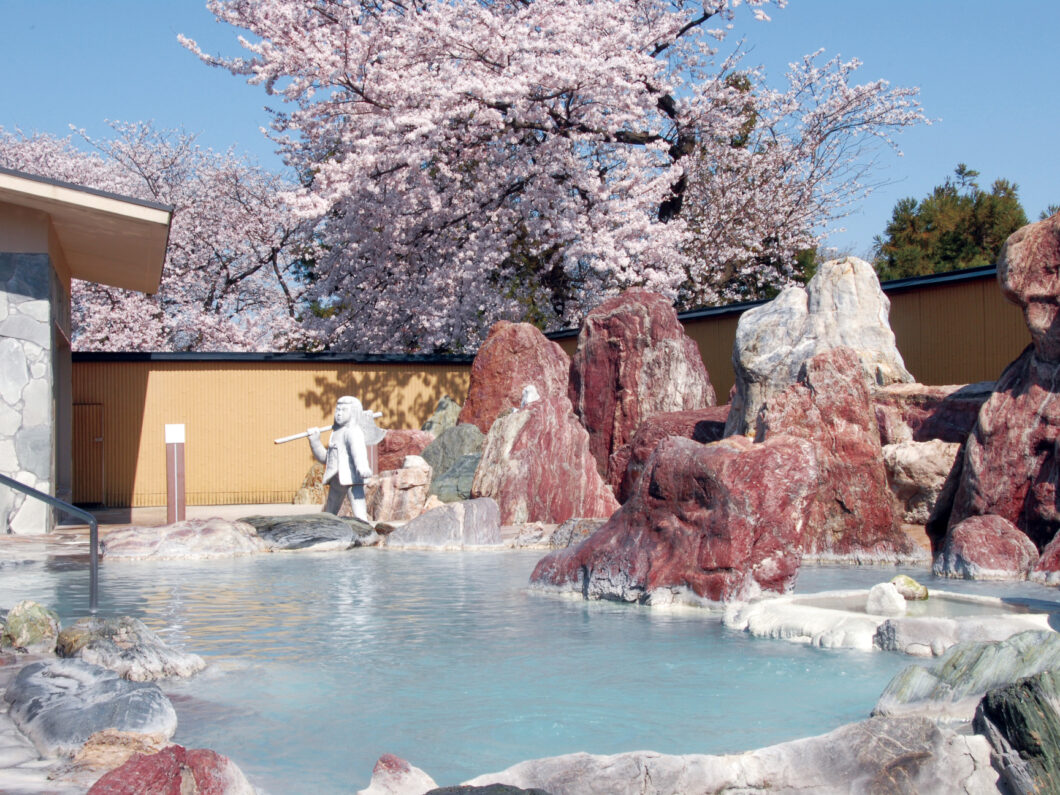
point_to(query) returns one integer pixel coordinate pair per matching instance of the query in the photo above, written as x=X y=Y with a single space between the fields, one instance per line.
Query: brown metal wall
x=232 y=411
x=957 y=333
x=952 y=333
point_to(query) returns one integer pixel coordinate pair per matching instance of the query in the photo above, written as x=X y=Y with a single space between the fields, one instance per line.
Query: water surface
x=320 y=663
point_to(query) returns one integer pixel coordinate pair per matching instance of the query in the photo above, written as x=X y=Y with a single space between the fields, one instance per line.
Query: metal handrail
x=93 y=532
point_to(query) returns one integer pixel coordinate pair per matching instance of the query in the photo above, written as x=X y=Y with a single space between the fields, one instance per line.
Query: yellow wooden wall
x=232 y=411
x=949 y=333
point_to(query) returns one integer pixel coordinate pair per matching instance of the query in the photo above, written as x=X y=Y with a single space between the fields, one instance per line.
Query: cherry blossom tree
x=231 y=279
x=472 y=160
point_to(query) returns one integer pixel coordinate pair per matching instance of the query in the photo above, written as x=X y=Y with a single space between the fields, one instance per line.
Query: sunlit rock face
x=198 y=771
x=537 y=466
x=399 y=494
x=193 y=539
x=58 y=704
x=986 y=547
x=701 y=425
x=1028 y=270
x=852 y=515
x=842 y=306
x=633 y=361
x=716 y=522
x=513 y=356
x=399 y=443
x=923 y=477
x=879 y=755
x=1011 y=466
x=458 y=525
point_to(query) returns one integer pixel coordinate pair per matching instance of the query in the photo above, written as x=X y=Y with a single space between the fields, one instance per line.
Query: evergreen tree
x=958 y=226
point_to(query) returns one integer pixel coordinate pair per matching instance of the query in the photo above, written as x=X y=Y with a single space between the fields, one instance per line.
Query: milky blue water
x=320 y=663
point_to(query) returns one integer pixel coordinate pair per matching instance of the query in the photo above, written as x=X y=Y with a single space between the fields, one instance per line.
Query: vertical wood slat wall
x=232 y=411
x=950 y=333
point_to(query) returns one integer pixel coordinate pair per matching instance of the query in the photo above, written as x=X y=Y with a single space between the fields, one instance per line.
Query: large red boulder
x=1011 y=464
x=1028 y=270
x=920 y=413
x=175 y=770
x=514 y=356
x=537 y=467
x=986 y=548
x=399 y=443
x=716 y=522
x=853 y=515
x=700 y=425
x=633 y=361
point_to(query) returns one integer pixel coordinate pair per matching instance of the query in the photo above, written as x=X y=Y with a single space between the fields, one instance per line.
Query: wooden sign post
x=175 y=504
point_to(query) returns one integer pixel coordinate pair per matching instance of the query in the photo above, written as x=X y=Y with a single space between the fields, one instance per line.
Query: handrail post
x=93 y=533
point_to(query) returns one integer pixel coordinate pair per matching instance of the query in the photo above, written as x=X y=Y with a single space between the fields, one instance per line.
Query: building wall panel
x=232 y=411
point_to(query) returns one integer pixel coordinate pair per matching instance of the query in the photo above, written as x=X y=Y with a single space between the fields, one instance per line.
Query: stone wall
x=27 y=396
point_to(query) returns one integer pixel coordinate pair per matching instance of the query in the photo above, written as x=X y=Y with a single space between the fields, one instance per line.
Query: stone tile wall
x=27 y=446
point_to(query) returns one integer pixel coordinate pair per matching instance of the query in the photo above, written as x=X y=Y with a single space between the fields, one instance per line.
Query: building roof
x=106 y=238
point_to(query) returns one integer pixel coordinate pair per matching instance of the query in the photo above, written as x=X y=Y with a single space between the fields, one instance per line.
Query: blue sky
x=987 y=73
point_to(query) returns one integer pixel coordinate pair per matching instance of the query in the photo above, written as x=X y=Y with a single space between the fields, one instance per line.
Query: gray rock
x=880 y=755
x=316 y=531
x=453 y=444
x=952 y=688
x=126 y=646
x=31 y=627
x=193 y=539
x=59 y=704
x=574 y=531
x=842 y=306
x=455 y=484
x=472 y=523
x=1022 y=724
x=445 y=416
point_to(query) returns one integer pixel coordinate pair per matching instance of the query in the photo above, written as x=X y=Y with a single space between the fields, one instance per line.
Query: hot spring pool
x=319 y=663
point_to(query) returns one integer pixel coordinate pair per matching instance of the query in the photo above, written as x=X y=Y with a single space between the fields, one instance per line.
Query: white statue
x=345 y=460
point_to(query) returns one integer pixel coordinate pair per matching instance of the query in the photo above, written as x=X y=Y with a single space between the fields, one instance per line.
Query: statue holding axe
x=345 y=460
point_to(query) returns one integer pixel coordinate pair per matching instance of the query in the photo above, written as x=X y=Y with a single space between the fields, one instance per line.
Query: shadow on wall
x=406 y=395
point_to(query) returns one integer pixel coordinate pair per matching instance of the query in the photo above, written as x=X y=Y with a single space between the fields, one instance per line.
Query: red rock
x=513 y=356
x=399 y=443
x=700 y=425
x=633 y=361
x=1028 y=270
x=392 y=775
x=1047 y=569
x=986 y=548
x=174 y=771
x=919 y=413
x=536 y=465
x=853 y=515
x=720 y=521
x=1010 y=462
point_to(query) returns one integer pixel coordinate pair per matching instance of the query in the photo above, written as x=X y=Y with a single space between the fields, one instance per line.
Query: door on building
x=88 y=453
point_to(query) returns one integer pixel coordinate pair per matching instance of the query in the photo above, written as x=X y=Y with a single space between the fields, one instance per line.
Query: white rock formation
x=885 y=600
x=858 y=757
x=842 y=306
